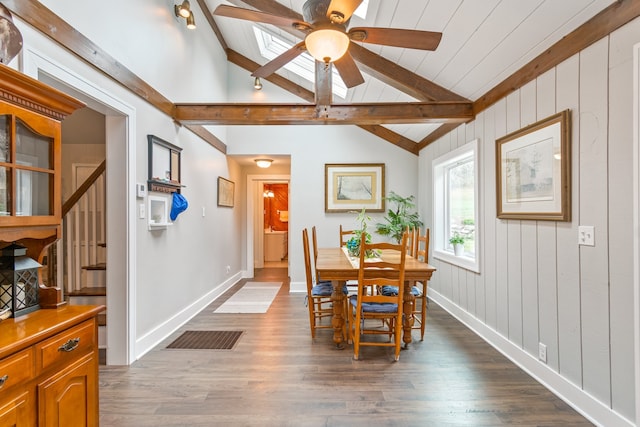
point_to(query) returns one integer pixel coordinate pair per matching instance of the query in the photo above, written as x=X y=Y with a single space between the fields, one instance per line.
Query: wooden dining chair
x=420 y=307
x=318 y=298
x=314 y=239
x=345 y=235
x=411 y=240
x=368 y=304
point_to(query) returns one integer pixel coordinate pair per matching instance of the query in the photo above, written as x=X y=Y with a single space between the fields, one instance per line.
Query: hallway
x=276 y=376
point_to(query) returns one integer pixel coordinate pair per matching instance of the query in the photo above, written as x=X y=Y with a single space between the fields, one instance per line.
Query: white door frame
x=255 y=206
x=636 y=217
x=120 y=126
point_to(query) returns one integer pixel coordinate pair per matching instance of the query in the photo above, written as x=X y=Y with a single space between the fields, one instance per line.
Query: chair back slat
x=422 y=246
x=345 y=235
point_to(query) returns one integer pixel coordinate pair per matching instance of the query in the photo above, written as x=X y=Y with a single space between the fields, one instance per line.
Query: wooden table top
x=333 y=264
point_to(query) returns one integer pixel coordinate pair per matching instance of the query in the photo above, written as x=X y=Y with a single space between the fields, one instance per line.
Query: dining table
x=335 y=264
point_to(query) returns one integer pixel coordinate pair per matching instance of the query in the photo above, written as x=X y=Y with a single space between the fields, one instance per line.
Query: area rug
x=206 y=340
x=253 y=297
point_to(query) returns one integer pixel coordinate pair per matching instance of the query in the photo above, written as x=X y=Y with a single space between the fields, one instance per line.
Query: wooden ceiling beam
x=212 y=23
x=379 y=131
x=302 y=114
x=601 y=25
x=58 y=30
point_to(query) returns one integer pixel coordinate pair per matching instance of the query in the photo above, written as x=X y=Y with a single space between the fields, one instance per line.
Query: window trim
x=441 y=249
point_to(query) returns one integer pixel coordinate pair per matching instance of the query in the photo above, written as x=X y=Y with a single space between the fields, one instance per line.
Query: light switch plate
x=586 y=235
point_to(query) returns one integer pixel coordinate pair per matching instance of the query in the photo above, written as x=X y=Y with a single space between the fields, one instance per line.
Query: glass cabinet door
x=26 y=169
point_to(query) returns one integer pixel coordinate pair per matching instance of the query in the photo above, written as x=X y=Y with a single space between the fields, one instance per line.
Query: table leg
x=409 y=301
x=338 y=320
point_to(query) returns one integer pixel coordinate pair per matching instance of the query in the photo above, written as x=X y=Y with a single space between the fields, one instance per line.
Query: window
x=271 y=46
x=455 y=204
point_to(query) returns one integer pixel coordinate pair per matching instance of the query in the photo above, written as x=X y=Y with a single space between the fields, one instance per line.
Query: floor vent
x=207 y=340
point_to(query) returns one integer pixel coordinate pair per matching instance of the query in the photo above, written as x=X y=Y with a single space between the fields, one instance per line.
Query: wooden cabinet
x=275 y=245
x=49 y=368
x=30 y=161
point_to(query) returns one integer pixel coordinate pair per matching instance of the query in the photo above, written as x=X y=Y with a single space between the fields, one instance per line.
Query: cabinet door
x=17 y=411
x=70 y=398
x=29 y=159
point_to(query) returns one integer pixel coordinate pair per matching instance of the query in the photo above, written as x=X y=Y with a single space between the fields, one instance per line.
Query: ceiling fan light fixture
x=263 y=163
x=326 y=44
x=183 y=10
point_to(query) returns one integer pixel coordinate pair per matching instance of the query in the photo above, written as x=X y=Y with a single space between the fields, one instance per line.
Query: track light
x=183 y=10
x=191 y=22
x=257 y=84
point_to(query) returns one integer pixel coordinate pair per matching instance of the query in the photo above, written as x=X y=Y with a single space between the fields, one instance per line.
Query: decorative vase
x=10 y=37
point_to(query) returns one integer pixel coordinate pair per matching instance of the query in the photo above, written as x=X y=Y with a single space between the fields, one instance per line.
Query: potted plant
x=353 y=244
x=457 y=241
x=400 y=215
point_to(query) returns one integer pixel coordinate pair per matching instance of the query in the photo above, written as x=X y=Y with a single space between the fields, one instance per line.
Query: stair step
x=97 y=291
x=98 y=266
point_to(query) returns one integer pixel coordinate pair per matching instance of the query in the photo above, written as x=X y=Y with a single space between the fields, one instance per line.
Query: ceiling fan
x=327 y=38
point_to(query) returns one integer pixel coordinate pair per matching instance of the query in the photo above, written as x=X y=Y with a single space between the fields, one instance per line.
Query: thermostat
x=141 y=190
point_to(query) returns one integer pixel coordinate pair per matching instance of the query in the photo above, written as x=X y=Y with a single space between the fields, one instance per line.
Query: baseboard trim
x=148 y=341
x=591 y=408
x=297 y=287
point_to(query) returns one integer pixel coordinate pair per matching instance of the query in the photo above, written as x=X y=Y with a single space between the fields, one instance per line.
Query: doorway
x=256 y=219
x=120 y=150
x=275 y=196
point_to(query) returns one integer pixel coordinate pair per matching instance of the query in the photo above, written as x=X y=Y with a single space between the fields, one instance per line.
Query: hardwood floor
x=276 y=376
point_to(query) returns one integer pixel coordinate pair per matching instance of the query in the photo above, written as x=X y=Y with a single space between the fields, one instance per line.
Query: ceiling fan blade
x=345 y=7
x=414 y=39
x=256 y=16
x=348 y=70
x=279 y=61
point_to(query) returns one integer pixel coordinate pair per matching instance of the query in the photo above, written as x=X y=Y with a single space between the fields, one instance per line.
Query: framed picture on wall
x=353 y=186
x=533 y=171
x=226 y=191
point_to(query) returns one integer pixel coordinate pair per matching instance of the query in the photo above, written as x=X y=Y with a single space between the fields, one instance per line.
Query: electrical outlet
x=228 y=269
x=586 y=235
x=542 y=352
x=141 y=211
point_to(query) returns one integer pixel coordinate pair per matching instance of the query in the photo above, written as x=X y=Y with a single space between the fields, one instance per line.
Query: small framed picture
x=226 y=191
x=351 y=187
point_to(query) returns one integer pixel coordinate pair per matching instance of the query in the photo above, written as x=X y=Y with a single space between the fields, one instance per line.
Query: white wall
x=179 y=270
x=311 y=147
x=537 y=284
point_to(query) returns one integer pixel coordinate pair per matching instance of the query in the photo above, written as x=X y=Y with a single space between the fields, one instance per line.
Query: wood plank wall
x=537 y=284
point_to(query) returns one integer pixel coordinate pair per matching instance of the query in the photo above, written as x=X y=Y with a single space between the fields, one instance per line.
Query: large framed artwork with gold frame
x=533 y=171
x=352 y=186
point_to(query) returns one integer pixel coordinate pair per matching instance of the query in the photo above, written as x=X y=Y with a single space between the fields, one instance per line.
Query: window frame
x=441 y=246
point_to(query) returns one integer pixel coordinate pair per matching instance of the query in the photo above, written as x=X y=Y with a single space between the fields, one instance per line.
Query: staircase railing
x=83 y=232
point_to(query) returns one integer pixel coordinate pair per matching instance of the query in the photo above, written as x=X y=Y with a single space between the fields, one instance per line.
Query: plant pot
x=458 y=249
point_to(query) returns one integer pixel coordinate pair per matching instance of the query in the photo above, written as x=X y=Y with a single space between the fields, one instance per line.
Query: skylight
x=361 y=11
x=303 y=65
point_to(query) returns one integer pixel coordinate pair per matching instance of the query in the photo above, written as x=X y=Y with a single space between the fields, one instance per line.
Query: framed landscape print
x=533 y=171
x=226 y=190
x=351 y=187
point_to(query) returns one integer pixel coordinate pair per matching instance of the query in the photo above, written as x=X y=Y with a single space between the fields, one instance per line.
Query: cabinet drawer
x=16 y=368
x=67 y=346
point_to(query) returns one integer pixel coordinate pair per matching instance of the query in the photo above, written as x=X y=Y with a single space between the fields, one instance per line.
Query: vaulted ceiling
x=410 y=97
